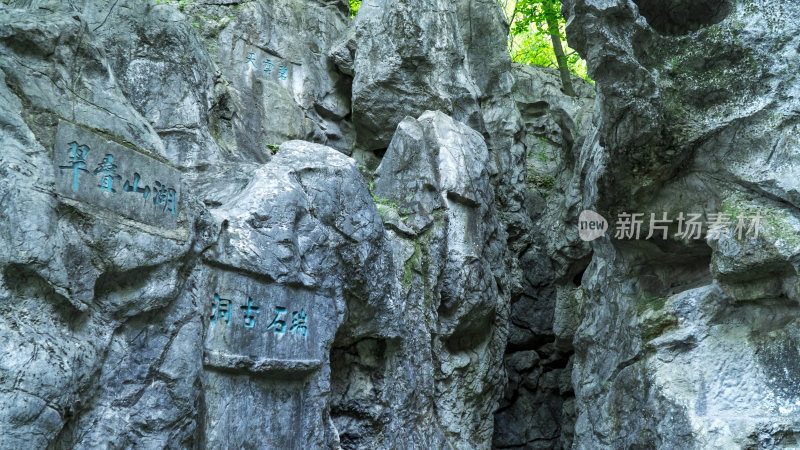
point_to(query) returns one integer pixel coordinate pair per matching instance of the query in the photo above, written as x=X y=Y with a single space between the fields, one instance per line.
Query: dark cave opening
x=679 y=17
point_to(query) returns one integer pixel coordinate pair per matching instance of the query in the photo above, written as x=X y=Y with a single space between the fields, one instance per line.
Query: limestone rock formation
x=686 y=342
x=538 y=406
x=190 y=259
x=409 y=58
x=265 y=224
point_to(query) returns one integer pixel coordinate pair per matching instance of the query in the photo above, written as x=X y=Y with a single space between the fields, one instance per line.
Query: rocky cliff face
x=264 y=224
x=190 y=257
x=538 y=408
x=690 y=342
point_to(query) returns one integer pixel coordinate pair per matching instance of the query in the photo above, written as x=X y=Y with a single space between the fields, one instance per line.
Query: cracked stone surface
x=265 y=224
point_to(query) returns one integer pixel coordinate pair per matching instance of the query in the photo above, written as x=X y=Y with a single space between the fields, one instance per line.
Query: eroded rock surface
x=191 y=258
x=684 y=342
x=538 y=406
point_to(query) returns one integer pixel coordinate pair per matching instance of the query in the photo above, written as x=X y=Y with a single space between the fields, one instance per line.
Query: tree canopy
x=534 y=27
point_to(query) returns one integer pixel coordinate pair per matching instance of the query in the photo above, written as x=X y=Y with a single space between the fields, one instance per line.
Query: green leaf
x=529 y=36
x=354 y=5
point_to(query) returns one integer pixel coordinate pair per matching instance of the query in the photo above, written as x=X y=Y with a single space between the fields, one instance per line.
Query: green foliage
x=365 y=172
x=408 y=267
x=529 y=40
x=649 y=301
x=384 y=202
x=543 y=157
x=380 y=200
x=354 y=5
x=543 y=182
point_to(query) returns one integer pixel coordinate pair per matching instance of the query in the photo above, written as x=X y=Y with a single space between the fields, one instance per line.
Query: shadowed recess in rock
x=676 y=17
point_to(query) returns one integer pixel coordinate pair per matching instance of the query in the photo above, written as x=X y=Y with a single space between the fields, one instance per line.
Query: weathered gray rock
x=449 y=249
x=72 y=272
x=553 y=121
x=299 y=241
x=409 y=58
x=157 y=56
x=449 y=57
x=272 y=308
x=679 y=339
x=537 y=409
x=276 y=81
x=251 y=290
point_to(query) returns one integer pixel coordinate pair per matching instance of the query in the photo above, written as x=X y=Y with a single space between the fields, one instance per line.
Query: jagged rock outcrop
x=171 y=276
x=434 y=192
x=690 y=341
x=408 y=58
x=190 y=258
x=538 y=406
